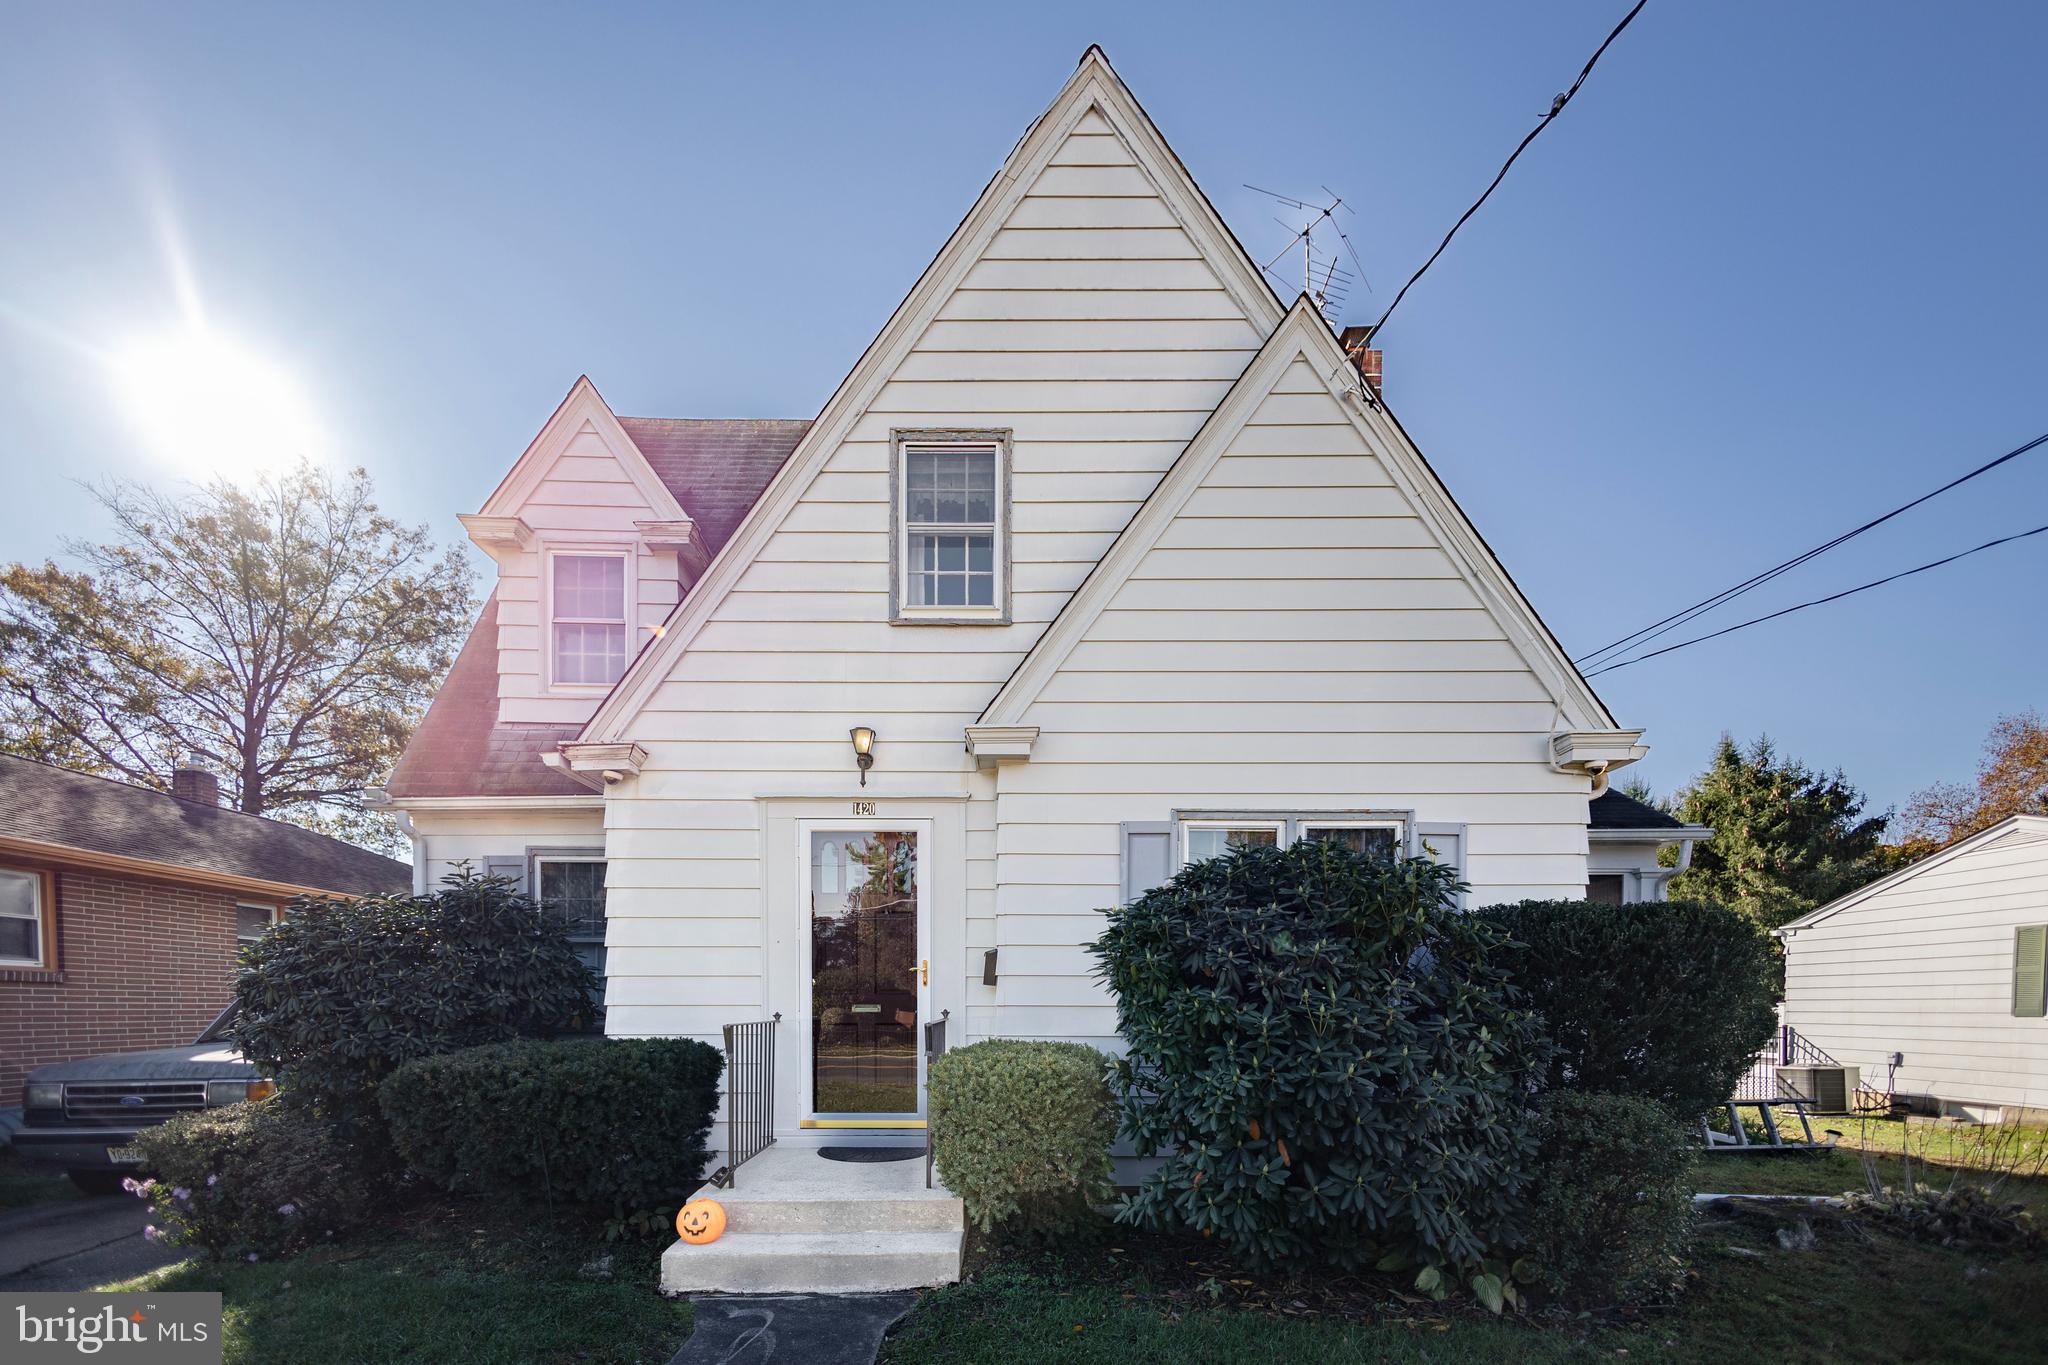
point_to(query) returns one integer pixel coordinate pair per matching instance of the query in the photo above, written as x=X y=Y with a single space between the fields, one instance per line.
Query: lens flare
x=213 y=408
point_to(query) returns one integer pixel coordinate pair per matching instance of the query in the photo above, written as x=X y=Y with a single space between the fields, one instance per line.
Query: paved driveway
x=78 y=1244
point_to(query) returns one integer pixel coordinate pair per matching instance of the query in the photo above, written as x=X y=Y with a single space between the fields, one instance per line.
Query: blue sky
x=1776 y=269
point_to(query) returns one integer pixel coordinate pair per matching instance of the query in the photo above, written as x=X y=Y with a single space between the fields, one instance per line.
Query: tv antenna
x=1323 y=278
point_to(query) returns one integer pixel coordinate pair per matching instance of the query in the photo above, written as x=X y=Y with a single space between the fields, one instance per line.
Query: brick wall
x=141 y=964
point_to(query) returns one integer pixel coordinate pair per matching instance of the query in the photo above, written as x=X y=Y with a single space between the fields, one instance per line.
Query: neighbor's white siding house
x=1941 y=963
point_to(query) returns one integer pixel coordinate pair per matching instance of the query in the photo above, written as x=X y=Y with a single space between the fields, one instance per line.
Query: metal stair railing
x=934 y=1048
x=749 y=1095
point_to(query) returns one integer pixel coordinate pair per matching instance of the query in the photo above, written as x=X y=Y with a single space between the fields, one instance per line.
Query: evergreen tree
x=1786 y=838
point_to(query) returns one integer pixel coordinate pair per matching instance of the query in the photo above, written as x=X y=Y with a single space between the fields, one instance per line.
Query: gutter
x=182 y=873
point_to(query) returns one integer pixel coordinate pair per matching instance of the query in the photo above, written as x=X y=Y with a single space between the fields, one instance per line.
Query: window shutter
x=1445 y=844
x=1148 y=856
x=2030 y=971
x=515 y=868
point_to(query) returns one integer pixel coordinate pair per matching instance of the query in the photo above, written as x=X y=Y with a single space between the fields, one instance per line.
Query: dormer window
x=588 y=618
x=951 y=522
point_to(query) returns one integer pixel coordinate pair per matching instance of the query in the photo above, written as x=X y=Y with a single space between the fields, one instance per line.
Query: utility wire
x=1556 y=107
x=1701 y=607
x=1821 y=601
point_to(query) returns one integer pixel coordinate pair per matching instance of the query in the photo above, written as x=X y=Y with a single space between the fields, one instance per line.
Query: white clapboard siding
x=1923 y=965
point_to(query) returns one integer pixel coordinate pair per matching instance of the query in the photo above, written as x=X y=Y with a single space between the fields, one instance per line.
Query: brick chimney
x=190 y=782
x=1363 y=356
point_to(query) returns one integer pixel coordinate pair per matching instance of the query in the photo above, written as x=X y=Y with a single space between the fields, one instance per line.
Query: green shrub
x=341 y=993
x=1021 y=1132
x=1667 y=1000
x=1330 y=1059
x=256 y=1179
x=1611 y=1209
x=612 y=1124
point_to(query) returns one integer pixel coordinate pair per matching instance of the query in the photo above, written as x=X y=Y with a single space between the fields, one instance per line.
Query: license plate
x=125 y=1156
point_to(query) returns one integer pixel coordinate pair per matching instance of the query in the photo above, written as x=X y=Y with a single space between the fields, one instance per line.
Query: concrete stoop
x=799 y=1224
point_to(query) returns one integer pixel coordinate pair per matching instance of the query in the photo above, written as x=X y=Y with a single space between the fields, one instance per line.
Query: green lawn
x=454 y=1286
x=1859 y=1295
x=1938 y=1152
x=22 y=1186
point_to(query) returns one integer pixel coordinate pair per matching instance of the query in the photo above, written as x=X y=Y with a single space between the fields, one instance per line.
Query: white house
x=1933 y=978
x=1105 y=557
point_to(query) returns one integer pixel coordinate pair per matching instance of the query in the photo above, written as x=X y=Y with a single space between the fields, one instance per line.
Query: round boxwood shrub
x=1328 y=1058
x=1667 y=1000
x=614 y=1125
x=1021 y=1132
x=258 y=1179
x=1611 y=1208
x=342 y=993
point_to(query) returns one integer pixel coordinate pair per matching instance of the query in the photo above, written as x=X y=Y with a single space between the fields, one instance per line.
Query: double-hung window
x=951 y=552
x=1204 y=835
x=27 y=920
x=253 y=922
x=587 y=611
x=572 y=887
x=1205 y=839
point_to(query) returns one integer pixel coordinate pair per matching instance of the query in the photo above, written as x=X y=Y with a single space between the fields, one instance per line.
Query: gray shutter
x=1148 y=856
x=515 y=868
x=1445 y=844
x=2029 y=971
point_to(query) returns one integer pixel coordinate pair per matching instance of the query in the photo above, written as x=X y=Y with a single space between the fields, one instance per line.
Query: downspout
x=419 y=861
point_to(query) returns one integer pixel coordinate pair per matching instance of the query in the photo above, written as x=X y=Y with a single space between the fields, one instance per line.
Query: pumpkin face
x=701 y=1221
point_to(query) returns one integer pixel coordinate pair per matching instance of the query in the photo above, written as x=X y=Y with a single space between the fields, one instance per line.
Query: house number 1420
x=863 y=808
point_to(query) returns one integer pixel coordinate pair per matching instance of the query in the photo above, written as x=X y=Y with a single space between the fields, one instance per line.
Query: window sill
x=984 y=618
x=49 y=975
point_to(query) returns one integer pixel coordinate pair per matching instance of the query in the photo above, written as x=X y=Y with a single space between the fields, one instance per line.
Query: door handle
x=924 y=972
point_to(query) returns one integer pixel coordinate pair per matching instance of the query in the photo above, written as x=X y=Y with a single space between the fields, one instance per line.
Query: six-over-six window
x=589 y=615
x=951 y=546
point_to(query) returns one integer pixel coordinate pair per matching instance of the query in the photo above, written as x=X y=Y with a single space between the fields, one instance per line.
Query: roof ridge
x=196 y=805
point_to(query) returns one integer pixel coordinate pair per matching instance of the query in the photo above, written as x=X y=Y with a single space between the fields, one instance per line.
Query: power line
x=1704 y=605
x=1556 y=107
x=1821 y=601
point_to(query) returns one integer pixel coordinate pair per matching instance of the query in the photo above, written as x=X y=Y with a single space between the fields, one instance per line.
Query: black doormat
x=871 y=1153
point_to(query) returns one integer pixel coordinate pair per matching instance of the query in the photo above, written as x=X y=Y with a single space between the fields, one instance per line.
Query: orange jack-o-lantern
x=701 y=1221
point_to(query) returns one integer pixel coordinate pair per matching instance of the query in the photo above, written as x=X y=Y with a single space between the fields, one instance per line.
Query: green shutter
x=2030 y=971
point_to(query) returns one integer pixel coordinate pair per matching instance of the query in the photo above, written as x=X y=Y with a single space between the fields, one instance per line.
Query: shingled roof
x=1612 y=810
x=717 y=468
x=42 y=804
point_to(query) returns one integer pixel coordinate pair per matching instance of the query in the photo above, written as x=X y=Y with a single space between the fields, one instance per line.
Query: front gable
x=1092 y=306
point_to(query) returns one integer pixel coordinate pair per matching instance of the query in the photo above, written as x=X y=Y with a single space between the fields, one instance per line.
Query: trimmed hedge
x=341 y=993
x=606 y=1124
x=1667 y=1000
x=1612 y=1206
x=1329 y=1058
x=1021 y=1132
x=259 y=1179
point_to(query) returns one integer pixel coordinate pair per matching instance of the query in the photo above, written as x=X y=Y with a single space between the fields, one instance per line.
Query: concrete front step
x=813 y=1262
x=825 y=1214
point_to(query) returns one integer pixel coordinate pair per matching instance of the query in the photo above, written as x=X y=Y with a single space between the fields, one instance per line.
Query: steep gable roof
x=716 y=467
x=1303 y=336
x=1094 y=92
x=582 y=407
x=45 y=805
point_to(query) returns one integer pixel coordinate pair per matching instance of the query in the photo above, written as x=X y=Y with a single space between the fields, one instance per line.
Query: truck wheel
x=97 y=1182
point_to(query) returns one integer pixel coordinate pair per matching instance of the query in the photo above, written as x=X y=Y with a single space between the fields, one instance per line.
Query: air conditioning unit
x=1827 y=1089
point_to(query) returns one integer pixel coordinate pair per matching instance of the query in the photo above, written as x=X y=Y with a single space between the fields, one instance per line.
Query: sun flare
x=213 y=408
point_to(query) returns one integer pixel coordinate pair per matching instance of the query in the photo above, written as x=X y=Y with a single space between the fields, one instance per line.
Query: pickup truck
x=83 y=1115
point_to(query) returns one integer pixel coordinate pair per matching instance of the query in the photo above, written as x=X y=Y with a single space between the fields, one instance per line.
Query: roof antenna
x=1323 y=279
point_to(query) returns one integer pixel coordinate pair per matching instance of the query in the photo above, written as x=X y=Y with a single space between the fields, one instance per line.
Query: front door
x=867 y=968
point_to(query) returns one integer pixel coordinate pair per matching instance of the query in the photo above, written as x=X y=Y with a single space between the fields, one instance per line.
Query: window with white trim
x=253 y=922
x=587 y=617
x=952 y=538
x=27 y=919
x=1204 y=836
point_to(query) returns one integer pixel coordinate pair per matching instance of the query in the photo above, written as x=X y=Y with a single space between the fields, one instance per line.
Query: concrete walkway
x=793 y=1329
x=78 y=1244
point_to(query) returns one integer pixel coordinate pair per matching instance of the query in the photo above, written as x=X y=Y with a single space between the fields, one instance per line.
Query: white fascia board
x=1094 y=85
x=583 y=403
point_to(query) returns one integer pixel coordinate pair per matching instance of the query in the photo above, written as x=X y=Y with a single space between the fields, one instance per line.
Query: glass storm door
x=866 y=975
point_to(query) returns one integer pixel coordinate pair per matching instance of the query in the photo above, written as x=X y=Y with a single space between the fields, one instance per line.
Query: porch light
x=863 y=750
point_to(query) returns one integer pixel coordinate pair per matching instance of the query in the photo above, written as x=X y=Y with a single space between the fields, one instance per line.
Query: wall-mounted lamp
x=863 y=750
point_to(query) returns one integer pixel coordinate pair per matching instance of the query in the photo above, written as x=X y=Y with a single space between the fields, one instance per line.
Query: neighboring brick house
x=122 y=908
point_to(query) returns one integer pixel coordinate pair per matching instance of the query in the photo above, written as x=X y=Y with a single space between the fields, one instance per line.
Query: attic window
x=588 y=608
x=950 y=515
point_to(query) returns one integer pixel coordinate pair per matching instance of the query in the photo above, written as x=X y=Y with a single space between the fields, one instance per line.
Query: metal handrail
x=749 y=1114
x=934 y=1048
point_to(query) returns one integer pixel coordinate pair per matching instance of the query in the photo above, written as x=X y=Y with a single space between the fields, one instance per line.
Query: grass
x=455 y=1285
x=1858 y=1295
x=24 y=1187
x=1939 y=1152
